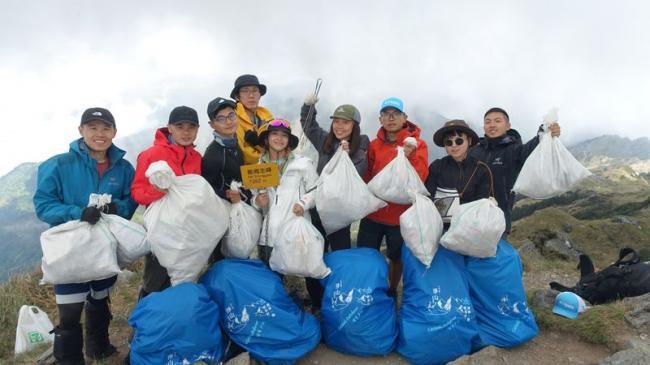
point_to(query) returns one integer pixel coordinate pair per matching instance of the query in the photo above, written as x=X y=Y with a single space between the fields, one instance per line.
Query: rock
x=639 y=318
x=241 y=359
x=529 y=252
x=627 y=357
x=544 y=298
x=567 y=227
x=621 y=219
x=488 y=355
x=561 y=248
x=636 y=301
x=639 y=343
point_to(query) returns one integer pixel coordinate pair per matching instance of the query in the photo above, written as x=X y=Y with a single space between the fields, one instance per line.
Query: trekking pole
x=310 y=113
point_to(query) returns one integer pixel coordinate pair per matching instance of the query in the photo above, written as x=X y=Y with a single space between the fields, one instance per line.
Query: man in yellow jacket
x=247 y=92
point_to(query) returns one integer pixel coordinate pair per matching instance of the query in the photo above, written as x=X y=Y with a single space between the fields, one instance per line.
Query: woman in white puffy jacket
x=294 y=194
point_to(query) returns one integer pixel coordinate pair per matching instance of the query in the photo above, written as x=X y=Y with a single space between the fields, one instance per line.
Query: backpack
x=624 y=278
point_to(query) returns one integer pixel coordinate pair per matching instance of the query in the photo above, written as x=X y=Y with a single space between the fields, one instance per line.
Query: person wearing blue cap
x=384 y=223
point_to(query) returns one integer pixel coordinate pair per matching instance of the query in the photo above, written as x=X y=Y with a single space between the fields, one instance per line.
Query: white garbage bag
x=185 y=225
x=33 y=328
x=396 y=179
x=305 y=147
x=342 y=197
x=78 y=252
x=421 y=227
x=299 y=250
x=550 y=169
x=131 y=238
x=476 y=229
x=244 y=229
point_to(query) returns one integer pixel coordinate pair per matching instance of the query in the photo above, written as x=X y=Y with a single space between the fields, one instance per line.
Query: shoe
x=68 y=345
x=98 y=318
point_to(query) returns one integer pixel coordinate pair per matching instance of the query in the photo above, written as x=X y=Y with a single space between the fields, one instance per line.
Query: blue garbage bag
x=437 y=320
x=497 y=291
x=357 y=315
x=257 y=314
x=176 y=326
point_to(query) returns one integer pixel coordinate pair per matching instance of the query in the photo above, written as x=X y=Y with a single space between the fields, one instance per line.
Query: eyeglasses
x=450 y=142
x=222 y=118
x=388 y=115
x=279 y=123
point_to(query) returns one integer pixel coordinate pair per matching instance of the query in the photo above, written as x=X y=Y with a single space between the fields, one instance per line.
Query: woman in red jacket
x=173 y=144
x=395 y=127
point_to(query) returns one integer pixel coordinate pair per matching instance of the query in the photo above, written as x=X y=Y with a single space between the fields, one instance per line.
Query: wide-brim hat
x=246 y=80
x=454 y=125
x=276 y=125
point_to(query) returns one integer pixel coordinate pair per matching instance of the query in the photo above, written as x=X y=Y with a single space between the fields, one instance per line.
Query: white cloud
x=140 y=59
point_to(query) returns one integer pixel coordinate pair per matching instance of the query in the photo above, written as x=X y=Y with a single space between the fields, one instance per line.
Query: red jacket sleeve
x=420 y=159
x=141 y=190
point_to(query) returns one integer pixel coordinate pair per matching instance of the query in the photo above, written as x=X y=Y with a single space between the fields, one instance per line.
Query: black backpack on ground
x=624 y=278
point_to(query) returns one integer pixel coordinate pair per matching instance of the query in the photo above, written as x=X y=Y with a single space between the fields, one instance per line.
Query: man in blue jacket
x=65 y=182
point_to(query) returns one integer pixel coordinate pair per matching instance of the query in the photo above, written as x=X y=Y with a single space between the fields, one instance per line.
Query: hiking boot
x=98 y=317
x=68 y=345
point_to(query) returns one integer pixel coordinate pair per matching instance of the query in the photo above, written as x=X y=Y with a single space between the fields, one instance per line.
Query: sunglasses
x=279 y=123
x=450 y=142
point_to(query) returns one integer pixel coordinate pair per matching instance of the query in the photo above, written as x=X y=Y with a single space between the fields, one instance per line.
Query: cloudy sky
x=590 y=58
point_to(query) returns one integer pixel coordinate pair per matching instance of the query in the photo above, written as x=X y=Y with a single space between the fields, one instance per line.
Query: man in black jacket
x=503 y=151
x=223 y=158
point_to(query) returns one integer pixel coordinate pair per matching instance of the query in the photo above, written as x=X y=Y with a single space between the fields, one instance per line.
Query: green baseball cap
x=347 y=112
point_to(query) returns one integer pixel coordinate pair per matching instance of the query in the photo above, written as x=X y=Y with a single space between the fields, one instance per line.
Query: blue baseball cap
x=392 y=102
x=568 y=304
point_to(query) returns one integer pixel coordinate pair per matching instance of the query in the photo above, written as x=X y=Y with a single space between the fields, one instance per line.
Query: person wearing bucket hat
x=456 y=178
x=247 y=93
x=173 y=144
x=293 y=195
x=344 y=132
x=503 y=151
x=395 y=128
x=65 y=183
x=221 y=162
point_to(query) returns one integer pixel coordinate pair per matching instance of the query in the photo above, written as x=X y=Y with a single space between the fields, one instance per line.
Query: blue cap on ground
x=568 y=304
x=392 y=102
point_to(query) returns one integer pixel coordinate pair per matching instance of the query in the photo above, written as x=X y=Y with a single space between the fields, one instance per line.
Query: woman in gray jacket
x=345 y=132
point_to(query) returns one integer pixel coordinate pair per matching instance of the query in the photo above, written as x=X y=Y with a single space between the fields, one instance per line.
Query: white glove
x=311 y=99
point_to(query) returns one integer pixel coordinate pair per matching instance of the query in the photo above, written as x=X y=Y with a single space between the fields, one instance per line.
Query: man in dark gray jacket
x=503 y=151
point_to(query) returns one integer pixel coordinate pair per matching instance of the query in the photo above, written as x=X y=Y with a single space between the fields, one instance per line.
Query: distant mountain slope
x=613 y=147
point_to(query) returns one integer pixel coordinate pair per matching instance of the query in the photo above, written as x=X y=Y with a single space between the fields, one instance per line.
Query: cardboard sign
x=260 y=176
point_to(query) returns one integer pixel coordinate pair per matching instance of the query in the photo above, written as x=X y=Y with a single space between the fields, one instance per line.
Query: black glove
x=110 y=208
x=251 y=137
x=90 y=214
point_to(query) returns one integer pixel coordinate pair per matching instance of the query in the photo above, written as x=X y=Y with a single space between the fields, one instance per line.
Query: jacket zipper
x=183 y=161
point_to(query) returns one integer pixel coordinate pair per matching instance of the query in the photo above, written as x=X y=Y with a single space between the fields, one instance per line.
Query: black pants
x=371 y=234
x=339 y=240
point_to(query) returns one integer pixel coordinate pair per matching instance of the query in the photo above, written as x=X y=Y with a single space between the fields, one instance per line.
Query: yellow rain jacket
x=244 y=123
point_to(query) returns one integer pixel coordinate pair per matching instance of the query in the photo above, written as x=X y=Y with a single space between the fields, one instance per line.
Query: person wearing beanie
x=294 y=194
x=93 y=165
x=395 y=128
x=344 y=131
x=503 y=151
x=173 y=144
x=223 y=158
x=247 y=92
x=457 y=178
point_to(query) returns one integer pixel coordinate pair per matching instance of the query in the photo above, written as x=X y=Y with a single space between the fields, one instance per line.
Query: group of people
x=244 y=133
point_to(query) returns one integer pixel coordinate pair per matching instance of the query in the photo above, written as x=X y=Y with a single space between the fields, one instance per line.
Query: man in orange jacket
x=395 y=127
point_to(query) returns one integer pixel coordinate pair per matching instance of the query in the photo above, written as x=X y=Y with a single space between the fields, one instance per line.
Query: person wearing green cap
x=345 y=132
